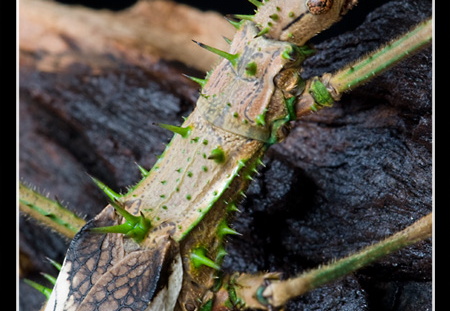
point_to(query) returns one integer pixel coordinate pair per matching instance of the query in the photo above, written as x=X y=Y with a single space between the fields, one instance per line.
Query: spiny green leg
x=383 y=59
x=267 y=291
x=279 y=292
x=323 y=91
x=52 y=214
x=49 y=212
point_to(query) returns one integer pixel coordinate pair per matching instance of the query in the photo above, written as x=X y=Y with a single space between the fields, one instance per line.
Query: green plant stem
x=279 y=292
x=49 y=212
x=365 y=69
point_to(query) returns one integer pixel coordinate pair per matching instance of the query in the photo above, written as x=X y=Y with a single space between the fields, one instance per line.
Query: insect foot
x=242 y=292
x=318 y=94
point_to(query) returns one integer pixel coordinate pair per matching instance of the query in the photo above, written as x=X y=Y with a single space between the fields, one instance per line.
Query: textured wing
x=137 y=282
x=89 y=257
x=99 y=274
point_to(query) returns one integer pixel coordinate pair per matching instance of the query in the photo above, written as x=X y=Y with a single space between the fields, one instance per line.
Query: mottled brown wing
x=137 y=282
x=98 y=274
x=89 y=257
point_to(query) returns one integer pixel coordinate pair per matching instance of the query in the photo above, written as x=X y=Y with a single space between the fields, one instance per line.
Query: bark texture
x=93 y=82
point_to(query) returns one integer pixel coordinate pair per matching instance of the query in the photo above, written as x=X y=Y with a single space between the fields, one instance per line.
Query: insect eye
x=317 y=7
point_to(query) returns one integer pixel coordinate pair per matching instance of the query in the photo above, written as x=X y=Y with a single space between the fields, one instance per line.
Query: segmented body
x=237 y=96
x=192 y=190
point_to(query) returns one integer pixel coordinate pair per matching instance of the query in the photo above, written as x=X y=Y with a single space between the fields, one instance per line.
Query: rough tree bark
x=93 y=82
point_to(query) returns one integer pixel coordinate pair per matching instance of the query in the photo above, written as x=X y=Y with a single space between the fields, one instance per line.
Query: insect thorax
x=240 y=97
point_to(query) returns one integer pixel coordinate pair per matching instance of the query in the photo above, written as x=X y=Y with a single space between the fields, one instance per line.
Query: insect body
x=237 y=96
x=187 y=198
x=209 y=168
x=204 y=170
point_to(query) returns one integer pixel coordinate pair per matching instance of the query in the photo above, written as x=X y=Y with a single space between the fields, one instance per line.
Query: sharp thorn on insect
x=232 y=58
x=201 y=82
x=256 y=3
x=41 y=288
x=198 y=258
x=112 y=195
x=183 y=131
x=223 y=229
x=232 y=207
x=235 y=24
x=49 y=277
x=217 y=154
x=262 y=32
x=247 y=17
x=143 y=171
x=55 y=264
x=227 y=40
x=135 y=227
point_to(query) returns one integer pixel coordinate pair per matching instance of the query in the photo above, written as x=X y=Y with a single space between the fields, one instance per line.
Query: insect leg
x=265 y=291
x=323 y=91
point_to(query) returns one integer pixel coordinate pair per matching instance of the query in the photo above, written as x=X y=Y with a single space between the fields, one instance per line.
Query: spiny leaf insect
x=168 y=235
